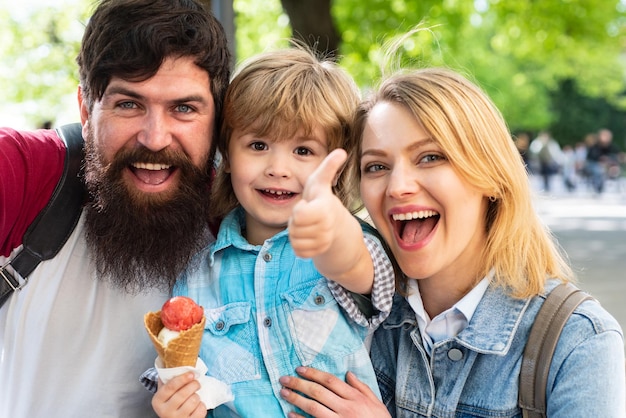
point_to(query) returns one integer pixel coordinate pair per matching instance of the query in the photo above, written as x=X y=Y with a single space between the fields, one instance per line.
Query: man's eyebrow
x=131 y=93
x=123 y=91
x=191 y=98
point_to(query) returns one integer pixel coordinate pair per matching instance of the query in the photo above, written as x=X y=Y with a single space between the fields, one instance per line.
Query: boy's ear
x=336 y=179
x=226 y=163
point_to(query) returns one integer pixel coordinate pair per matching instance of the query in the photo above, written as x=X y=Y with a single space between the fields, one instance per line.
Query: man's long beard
x=140 y=241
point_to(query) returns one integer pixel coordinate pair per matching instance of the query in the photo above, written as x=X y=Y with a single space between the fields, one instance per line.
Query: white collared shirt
x=449 y=322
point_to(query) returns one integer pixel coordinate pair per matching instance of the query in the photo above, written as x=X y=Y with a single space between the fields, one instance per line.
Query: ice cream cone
x=180 y=351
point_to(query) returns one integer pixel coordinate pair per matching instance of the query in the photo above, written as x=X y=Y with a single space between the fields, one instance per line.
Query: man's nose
x=155 y=135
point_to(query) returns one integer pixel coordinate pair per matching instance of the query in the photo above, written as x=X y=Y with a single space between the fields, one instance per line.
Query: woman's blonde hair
x=275 y=95
x=472 y=133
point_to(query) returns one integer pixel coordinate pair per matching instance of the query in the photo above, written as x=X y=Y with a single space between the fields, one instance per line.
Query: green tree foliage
x=260 y=25
x=521 y=52
x=38 y=50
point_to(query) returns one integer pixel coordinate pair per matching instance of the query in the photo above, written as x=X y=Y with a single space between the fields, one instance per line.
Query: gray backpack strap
x=47 y=234
x=544 y=335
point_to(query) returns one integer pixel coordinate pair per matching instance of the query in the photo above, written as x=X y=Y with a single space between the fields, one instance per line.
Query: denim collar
x=231 y=234
x=496 y=311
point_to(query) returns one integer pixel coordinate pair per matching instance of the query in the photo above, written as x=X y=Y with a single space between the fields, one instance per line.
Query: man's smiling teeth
x=151 y=166
x=277 y=192
x=413 y=215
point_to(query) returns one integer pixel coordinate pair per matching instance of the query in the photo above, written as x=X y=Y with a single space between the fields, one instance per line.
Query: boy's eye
x=258 y=146
x=303 y=151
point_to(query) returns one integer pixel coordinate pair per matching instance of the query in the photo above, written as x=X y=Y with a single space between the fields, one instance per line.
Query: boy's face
x=268 y=177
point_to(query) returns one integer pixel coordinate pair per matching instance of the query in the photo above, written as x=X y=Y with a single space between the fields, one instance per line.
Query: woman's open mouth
x=412 y=227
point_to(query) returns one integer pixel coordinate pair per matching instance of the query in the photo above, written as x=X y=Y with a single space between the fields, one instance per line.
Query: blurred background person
x=548 y=155
x=602 y=160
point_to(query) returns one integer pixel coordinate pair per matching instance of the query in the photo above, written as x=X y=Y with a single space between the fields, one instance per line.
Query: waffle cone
x=180 y=351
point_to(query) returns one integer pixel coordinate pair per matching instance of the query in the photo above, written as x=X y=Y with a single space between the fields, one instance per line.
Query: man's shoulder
x=41 y=148
x=31 y=163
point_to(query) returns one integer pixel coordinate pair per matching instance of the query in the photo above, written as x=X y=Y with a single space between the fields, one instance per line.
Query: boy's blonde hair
x=468 y=127
x=276 y=94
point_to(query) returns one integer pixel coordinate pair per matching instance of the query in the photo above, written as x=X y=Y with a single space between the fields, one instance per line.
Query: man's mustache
x=127 y=157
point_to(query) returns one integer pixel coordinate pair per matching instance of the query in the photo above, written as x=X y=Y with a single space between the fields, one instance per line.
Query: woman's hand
x=326 y=396
x=178 y=398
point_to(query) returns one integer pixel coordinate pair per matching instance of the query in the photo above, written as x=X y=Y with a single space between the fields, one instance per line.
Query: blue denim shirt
x=476 y=373
x=267 y=312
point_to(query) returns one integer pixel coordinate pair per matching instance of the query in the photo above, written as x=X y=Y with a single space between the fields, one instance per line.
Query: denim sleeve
x=587 y=376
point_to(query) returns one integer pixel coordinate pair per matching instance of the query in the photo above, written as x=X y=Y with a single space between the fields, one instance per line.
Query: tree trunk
x=312 y=23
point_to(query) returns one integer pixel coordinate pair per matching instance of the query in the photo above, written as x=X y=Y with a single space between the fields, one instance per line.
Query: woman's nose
x=402 y=182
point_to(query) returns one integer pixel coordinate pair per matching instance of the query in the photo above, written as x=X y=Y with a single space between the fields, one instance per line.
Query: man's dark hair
x=130 y=39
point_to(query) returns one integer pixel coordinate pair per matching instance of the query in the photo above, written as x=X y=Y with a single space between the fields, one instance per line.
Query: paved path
x=592 y=231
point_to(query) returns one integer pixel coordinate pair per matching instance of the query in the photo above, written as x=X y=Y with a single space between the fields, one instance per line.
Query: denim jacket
x=476 y=373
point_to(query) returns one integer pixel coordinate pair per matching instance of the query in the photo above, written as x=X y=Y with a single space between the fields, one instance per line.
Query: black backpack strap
x=544 y=335
x=54 y=224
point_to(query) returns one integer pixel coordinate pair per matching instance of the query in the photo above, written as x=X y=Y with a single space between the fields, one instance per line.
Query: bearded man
x=152 y=78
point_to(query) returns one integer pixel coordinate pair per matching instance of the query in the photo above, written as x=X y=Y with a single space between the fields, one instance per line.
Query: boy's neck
x=256 y=233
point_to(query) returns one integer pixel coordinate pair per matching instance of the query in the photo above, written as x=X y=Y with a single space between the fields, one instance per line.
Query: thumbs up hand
x=316 y=219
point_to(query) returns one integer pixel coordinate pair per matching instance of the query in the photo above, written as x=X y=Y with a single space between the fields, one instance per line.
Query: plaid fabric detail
x=382 y=290
x=150 y=379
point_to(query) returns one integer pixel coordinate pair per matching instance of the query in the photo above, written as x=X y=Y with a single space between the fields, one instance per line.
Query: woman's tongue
x=415 y=230
x=154 y=177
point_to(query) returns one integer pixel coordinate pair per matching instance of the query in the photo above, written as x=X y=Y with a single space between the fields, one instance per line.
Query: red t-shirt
x=31 y=164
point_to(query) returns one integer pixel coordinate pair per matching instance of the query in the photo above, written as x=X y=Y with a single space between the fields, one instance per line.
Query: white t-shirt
x=72 y=346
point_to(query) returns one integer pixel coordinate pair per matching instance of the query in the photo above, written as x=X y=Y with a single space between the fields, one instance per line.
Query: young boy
x=287 y=243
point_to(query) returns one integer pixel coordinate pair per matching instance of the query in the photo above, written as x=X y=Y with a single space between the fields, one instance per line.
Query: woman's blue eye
x=430 y=158
x=373 y=168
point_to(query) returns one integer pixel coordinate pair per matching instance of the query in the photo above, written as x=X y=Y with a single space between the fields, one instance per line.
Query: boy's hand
x=178 y=398
x=315 y=218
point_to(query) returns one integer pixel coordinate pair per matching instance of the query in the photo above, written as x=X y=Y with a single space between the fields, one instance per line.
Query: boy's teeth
x=421 y=214
x=276 y=192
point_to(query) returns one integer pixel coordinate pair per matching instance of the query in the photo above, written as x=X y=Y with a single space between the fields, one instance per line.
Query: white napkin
x=212 y=392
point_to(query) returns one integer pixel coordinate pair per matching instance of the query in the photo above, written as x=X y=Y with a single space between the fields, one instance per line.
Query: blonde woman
x=446 y=188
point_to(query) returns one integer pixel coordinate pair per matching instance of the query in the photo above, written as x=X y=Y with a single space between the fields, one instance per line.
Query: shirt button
x=455 y=354
x=267 y=257
x=267 y=322
x=219 y=325
x=319 y=300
